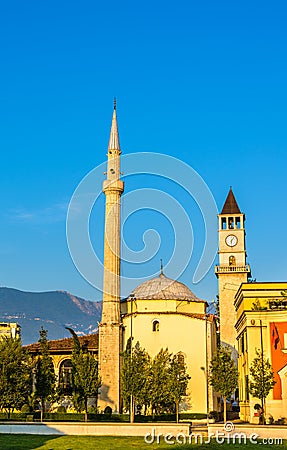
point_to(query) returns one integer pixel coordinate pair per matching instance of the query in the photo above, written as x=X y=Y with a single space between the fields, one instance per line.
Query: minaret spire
x=161 y=268
x=114 y=142
x=110 y=326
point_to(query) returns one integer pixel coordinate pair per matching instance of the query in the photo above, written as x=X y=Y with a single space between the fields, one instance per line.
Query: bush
x=80 y=417
x=213 y=415
x=25 y=409
x=192 y=416
x=60 y=417
x=13 y=416
x=108 y=411
x=93 y=410
x=61 y=409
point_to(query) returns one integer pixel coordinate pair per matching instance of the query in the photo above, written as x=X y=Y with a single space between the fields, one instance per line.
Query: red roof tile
x=89 y=342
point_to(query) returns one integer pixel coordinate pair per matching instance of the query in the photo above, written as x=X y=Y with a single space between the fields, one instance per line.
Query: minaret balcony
x=113 y=185
x=232 y=269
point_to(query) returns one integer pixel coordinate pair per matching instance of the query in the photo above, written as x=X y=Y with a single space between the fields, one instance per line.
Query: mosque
x=164 y=313
x=160 y=313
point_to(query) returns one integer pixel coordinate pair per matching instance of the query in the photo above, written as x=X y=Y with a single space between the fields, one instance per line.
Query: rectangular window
x=238 y=222
x=223 y=223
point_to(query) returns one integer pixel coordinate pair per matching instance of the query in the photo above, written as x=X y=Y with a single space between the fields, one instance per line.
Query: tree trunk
x=132 y=410
x=262 y=421
x=224 y=410
x=153 y=412
x=177 y=411
x=42 y=409
x=86 y=410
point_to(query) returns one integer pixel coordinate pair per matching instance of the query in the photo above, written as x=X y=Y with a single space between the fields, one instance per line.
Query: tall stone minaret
x=110 y=326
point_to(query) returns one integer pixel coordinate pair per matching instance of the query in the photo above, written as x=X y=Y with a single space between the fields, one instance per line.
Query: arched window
x=232 y=260
x=155 y=325
x=65 y=377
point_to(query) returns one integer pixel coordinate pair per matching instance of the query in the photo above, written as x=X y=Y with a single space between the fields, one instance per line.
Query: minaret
x=110 y=326
x=232 y=269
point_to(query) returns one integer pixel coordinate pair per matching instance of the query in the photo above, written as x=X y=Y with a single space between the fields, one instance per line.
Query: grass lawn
x=31 y=442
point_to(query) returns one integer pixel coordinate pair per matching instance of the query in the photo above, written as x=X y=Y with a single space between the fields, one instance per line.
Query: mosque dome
x=163 y=288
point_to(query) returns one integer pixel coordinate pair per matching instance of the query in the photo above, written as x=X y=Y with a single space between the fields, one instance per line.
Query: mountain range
x=53 y=310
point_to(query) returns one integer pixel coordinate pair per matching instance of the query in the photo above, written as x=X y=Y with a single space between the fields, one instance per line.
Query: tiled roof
x=163 y=288
x=230 y=205
x=89 y=342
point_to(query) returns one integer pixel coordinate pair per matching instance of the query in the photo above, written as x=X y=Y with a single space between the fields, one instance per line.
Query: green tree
x=160 y=383
x=223 y=374
x=45 y=378
x=262 y=379
x=134 y=377
x=15 y=374
x=178 y=381
x=85 y=377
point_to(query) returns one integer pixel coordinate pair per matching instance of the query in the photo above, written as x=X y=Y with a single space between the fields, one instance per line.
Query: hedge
x=80 y=417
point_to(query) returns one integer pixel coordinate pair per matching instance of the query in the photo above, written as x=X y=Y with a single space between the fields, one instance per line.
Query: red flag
x=275 y=339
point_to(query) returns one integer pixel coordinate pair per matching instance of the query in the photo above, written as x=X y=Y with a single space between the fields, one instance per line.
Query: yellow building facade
x=261 y=324
x=162 y=313
x=10 y=329
x=61 y=352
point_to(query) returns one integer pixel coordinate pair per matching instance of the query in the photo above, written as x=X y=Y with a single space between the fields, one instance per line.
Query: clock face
x=231 y=240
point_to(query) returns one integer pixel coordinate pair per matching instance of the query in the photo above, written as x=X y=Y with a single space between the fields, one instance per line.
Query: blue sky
x=201 y=81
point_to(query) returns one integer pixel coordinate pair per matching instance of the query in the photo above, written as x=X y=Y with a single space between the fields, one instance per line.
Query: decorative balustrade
x=228 y=269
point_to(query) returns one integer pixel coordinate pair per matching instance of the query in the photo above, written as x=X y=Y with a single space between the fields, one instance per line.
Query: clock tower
x=232 y=269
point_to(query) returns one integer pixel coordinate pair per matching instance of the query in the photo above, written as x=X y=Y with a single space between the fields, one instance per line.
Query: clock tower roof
x=230 y=206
